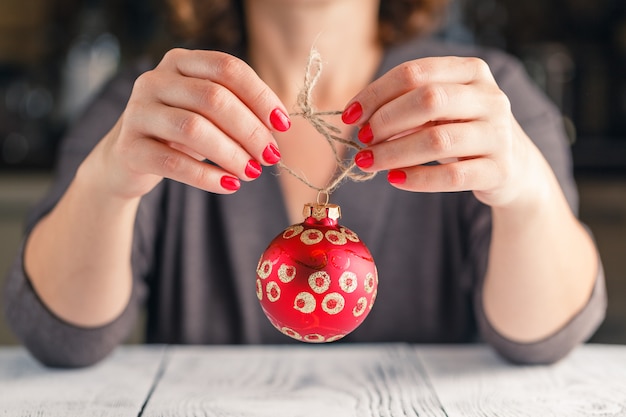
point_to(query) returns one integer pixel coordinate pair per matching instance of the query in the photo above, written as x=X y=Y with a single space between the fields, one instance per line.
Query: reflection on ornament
x=317 y=281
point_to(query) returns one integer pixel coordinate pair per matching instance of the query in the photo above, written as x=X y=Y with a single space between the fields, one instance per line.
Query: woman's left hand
x=450 y=110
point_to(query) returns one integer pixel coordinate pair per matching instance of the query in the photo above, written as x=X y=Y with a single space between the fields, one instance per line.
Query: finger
x=435 y=143
x=183 y=148
x=162 y=160
x=196 y=136
x=433 y=102
x=225 y=111
x=467 y=175
x=411 y=75
x=236 y=76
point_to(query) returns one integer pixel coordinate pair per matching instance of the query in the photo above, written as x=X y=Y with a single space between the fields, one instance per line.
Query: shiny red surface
x=334 y=286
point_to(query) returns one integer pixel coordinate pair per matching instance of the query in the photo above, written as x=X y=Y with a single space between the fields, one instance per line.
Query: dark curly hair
x=220 y=23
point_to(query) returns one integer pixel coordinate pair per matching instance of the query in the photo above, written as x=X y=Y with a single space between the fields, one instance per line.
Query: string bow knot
x=346 y=169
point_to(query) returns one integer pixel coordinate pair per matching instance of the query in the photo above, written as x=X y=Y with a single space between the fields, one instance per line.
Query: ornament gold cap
x=321 y=211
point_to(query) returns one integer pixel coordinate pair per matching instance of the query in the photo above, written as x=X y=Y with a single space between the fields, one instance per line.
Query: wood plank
x=118 y=386
x=299 y=380
x=474 y=381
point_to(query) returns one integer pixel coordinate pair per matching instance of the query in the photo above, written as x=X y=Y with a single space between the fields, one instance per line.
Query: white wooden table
x=321 y=380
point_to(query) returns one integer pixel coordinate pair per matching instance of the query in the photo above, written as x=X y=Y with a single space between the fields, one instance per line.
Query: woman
x=484 y=243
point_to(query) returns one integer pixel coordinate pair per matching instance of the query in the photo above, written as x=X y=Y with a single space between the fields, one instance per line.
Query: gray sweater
x=195 y=253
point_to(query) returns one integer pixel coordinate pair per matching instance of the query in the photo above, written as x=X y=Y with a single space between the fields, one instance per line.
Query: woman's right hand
x=194 y=107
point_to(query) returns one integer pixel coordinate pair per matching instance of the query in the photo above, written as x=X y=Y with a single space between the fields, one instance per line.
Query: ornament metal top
x=317 y=281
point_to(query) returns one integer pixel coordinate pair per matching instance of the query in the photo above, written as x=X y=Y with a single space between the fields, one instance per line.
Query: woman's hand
x=449 y=110
x=195 y=106
x=542 y=263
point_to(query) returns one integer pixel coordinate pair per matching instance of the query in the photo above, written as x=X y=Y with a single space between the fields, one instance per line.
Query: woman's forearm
x=78 y=256
x=542 y=265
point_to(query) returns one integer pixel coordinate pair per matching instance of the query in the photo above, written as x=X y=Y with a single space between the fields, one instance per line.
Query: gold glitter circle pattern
x=273 y=291
x=265 y=269
x=259 y=289
x=286 y=273
x=349 y=234
x=373 y=299
x=304 y=302
x=360 y=307
x=291 y=333
x=335 y=237
x=333 y=303
x=292 y=231
x=369 y=283
x=348 y=281
x=314 y=337
x=311 y=237
x=319 y=281
x=335 y=338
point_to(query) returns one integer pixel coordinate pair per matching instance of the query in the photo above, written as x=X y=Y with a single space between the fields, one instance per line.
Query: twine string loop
x=346 y=169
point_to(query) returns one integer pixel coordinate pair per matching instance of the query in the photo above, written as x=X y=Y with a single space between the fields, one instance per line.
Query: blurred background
x=56 y=54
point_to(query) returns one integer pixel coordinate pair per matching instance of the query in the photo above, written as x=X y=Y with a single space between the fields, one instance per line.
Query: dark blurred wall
x=576 y=51
x=54 y=55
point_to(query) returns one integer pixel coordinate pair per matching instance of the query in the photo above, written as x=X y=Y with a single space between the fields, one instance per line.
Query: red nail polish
x=230 y=183
x=271 y=155
x=280 y=120
x=364 y=159
x=396 y=176
x=352 y=113
x=365 y=135
x=253 y=169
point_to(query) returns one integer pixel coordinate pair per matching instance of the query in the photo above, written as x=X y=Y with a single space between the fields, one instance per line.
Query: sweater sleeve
x=51 y=340
x=543 y=123
x=556 y=346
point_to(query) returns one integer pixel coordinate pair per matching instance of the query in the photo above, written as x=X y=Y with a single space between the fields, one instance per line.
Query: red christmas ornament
x=317 y=281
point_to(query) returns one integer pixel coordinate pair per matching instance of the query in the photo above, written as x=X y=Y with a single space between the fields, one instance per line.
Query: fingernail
x=396 y=176
x=280 y=120
x=365 y=135
x=364 y=159
x=253 y=169
x=271 y=155
x=230 y=183
x=352 y=113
